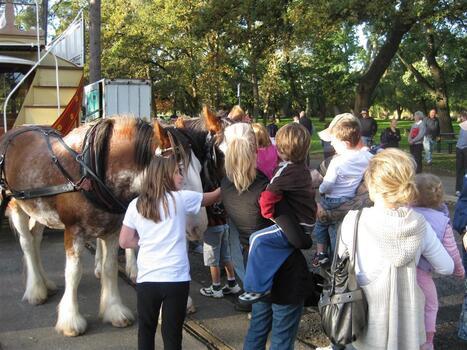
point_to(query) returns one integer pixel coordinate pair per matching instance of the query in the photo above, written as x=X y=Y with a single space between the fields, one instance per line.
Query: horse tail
x=5 y=200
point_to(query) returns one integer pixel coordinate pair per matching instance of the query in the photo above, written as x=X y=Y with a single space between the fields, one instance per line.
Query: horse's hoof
x=119 y=316
x=71 y=327
x=39 y=297
x=190 y=310
x=51 y=288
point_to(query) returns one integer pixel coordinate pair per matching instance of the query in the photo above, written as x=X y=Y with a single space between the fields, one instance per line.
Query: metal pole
x=238 y=93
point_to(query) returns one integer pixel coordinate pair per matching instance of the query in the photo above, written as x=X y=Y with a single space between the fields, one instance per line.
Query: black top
x=306 y=122
x=432 y=127
x=369 y=126
x=243 y=209
x=390 y=138
x=290 y=285
x=272 y=130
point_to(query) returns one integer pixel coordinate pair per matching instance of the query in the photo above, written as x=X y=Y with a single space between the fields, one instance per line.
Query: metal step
x=40 y=114
x=47 y=95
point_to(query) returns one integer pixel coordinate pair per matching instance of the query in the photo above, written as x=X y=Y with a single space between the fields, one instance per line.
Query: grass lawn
x=443 y=162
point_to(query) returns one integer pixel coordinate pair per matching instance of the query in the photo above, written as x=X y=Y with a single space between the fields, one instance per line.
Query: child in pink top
x=430 y=205
x=266 y=156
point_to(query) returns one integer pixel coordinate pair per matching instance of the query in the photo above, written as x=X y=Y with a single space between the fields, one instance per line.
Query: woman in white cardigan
x=391 y=238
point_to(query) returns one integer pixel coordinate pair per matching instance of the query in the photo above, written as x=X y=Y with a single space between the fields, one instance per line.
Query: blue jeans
x=462 y=331
x=236 y=251
x=281 y=320
x=367 y=140
x=269 y=248
x=325 y=232
x=428 y=143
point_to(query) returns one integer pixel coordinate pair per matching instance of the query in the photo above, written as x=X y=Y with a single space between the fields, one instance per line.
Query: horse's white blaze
x=36 y=290
x=70 y=323
x=111 y=308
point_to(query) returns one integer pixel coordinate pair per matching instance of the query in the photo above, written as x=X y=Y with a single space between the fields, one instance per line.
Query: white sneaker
x=231 y=290
x=458 y=193
x=211 y=292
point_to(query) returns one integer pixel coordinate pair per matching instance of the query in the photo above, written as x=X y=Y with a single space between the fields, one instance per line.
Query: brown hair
x=262 y=136
x=347 y=130
x=292 y=142
x=156 y=186
x=430 y=191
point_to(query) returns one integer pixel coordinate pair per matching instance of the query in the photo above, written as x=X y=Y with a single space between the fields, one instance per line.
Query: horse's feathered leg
x=111 y=307
x=37 y=231
x=36 y=290
x=131 y=268
x=98 y=259
x=70 y=323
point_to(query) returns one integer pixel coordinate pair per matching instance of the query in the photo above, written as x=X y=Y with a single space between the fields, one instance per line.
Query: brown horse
x=35 y=164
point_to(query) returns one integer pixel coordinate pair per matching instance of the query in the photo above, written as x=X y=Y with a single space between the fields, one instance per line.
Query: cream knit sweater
x=389 y=244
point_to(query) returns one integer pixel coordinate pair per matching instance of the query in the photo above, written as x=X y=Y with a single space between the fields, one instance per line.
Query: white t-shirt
x=344 y=173
x=162 y=255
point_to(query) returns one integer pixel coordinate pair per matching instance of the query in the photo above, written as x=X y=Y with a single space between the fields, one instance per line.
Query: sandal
x=251 y=297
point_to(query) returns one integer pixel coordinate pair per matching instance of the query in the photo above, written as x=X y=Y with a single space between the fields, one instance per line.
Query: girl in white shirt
x=155 y=221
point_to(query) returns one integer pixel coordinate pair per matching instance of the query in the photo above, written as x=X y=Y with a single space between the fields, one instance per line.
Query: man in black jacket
x=368 y=127
x=431 y=135
x=306 y=122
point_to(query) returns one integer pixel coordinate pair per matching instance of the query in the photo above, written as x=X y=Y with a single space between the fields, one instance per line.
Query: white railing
x=40 y=59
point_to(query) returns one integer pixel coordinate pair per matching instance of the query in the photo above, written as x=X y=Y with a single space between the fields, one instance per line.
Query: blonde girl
x=430 y=204
x=266 y=154
x=391 y=237
x=155 y=221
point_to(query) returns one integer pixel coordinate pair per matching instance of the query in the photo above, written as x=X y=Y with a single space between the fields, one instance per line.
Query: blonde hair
x=156 y=186
x=240 y=155
x=430 y=191
x=262 y=136
x=391 y=174
x=236 y=114
x=292 y=142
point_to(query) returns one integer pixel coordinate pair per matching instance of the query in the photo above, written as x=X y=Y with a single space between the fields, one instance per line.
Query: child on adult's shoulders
x=343 y=176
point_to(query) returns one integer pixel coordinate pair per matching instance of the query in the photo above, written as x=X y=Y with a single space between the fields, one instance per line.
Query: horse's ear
x=213 y=123
x=180 y=123
x=161 y=139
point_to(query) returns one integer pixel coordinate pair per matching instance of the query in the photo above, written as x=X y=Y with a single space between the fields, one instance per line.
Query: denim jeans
x=325 y=232
x=462 y=332
x=428 y=144
x=236 y=251
x=281 y=320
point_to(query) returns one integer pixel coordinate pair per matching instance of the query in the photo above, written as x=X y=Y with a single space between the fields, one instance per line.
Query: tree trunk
x=94 y=40
x=440 y=89
x=254 y=80
x=369 y=81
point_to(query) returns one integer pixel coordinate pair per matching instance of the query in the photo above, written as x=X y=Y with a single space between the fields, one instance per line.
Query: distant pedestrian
x=272 y=128
x=368 y=127
x=431 y=135
x=461 y=153
x=391 y=136
x=416 y=134
x=306 y=122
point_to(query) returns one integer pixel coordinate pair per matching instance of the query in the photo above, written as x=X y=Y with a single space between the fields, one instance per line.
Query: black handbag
x=342 y=306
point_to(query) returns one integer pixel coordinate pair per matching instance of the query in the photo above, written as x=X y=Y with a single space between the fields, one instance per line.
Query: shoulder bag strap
x=352 y=277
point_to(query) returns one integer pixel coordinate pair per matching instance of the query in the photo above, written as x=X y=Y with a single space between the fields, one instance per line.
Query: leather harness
x=92 y=164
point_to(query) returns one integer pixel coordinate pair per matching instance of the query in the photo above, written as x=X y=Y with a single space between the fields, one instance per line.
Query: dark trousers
x=173 y=297
x=461 y=167
x=416 y=151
